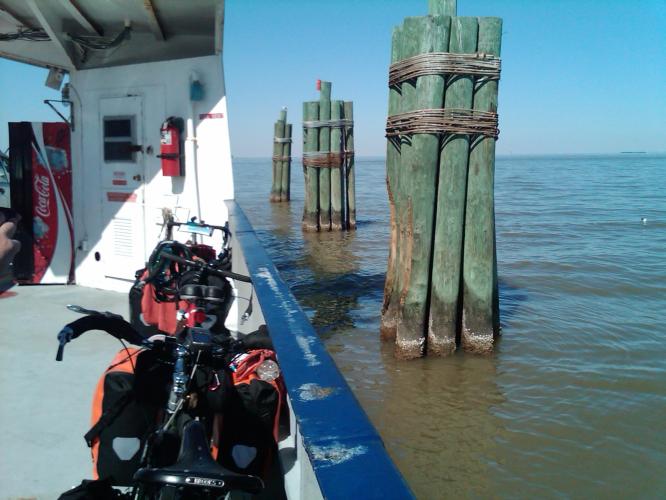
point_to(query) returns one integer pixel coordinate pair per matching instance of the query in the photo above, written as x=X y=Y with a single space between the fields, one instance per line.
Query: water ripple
x=572 y=402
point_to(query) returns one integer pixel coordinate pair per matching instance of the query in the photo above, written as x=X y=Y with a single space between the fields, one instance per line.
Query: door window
x=119 y=139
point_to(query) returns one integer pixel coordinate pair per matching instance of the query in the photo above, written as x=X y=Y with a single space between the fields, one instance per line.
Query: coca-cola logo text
x=43 y=191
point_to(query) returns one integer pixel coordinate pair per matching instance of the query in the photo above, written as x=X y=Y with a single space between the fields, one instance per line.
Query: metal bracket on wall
x=69 y=122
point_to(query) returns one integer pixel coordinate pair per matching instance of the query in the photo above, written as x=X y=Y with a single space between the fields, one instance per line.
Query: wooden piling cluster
x=328 y=163
x=281 y=186
x=441 y=283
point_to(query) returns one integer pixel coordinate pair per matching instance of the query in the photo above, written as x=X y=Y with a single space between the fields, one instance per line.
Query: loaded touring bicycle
x=142 y=130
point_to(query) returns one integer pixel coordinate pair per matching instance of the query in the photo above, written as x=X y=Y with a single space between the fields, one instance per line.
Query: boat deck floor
x=45 y=409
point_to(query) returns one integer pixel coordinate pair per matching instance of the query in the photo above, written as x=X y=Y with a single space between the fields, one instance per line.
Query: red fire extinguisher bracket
x=171 y=147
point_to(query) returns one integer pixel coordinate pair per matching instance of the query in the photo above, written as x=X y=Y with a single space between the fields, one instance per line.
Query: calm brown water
x=573 y=402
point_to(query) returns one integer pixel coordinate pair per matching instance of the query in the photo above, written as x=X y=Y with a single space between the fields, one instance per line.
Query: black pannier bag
x=247 y=444
x=125 y=410
x=250 y=424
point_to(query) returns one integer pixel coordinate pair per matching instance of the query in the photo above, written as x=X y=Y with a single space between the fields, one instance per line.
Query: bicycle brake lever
x=81 y=310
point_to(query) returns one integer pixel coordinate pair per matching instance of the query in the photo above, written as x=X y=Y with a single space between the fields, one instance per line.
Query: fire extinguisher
x=171 y=133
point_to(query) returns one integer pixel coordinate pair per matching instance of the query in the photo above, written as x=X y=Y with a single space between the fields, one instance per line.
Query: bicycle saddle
x=195 y=467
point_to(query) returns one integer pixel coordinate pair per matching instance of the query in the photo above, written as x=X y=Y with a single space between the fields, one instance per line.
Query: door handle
x=136 y=177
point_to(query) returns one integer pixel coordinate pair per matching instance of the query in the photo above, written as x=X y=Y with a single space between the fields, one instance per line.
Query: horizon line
x=498 y=155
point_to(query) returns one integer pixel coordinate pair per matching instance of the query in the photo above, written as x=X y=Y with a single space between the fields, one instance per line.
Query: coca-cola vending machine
x=41 y=192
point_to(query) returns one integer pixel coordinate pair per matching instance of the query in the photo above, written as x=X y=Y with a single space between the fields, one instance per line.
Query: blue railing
x=347 y=455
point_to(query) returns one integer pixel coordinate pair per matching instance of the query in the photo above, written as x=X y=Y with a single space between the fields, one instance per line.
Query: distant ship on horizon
x=633 y=152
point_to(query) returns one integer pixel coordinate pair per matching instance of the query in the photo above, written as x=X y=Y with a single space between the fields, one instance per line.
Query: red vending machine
x=41 y=192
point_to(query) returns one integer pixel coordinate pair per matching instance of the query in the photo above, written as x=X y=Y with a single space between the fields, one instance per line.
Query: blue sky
x=578 y=76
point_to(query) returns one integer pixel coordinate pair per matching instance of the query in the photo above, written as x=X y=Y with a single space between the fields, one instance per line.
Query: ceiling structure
x=84 y=34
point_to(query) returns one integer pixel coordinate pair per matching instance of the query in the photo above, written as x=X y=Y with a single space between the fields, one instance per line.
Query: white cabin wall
x=165 y=90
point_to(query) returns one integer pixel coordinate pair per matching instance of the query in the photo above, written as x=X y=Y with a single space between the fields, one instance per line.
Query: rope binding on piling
x=328 y=159
x=343 y=123
x=443 y=121
x=483 y=66
x=323 y=159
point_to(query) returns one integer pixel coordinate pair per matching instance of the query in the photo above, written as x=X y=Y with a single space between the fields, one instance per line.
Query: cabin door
x=122 y=176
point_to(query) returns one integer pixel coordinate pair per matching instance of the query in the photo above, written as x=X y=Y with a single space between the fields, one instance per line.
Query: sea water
x=573 y=401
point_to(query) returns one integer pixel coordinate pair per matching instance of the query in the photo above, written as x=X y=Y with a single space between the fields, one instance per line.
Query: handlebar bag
x=203 y=251
x=122 y=417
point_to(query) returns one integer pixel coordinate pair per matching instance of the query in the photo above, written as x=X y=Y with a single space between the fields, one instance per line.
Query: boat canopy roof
x=85 y=34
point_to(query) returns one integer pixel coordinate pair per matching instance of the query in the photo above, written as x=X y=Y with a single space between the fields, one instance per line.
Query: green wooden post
x=274 y=188
x=325 y=147
x=418 y=178
x=285 y=182
x=442 y=7
x=480 y=311
x=391 y=284
x=281 y=164
x=350 y=168
x=310 y=145
x=278 y=133
x=450 y=217
x=411 y=31
x=336 y=173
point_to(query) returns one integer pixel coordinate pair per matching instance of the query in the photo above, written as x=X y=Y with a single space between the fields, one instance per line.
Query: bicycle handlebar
x=115 y=326
x=212 y=270
x=224 y=229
